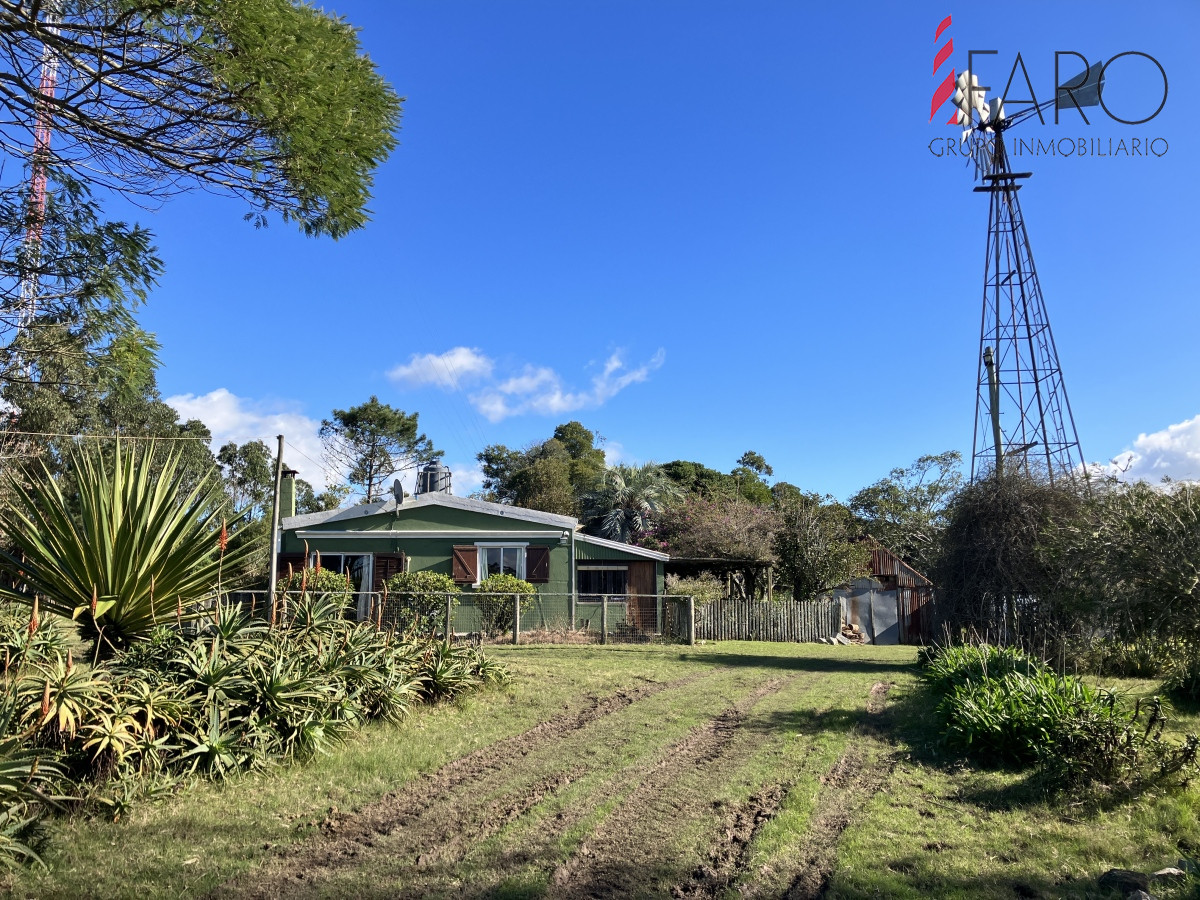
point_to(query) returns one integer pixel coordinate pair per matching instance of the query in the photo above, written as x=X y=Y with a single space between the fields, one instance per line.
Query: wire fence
x=491 y=617
x=562 y=618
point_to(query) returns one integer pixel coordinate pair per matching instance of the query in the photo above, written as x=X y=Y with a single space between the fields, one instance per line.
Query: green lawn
x=730 y=769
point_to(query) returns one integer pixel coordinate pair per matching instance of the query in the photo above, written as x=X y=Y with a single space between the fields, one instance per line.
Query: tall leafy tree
x=743 y=481
x=90 y=277
x=697 y=478
x=248 y=475
x=373 y=441
x=817 y=544
x=551 y=476
x=271 y=101
x=906 y=512
x=586 y=459
x=544 y=481
x=720 y=528
x=499 y=465
x=268 y=100
x=756 y=463
x=248 y=471
x=723 y=528
x=308 y=500
x=85 y=397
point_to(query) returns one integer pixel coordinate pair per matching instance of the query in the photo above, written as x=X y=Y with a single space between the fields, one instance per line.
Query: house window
x=594 y=581
x=357 y=567
x=501 y=559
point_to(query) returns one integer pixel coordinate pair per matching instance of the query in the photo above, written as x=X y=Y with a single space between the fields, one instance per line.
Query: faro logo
x=1086 y=88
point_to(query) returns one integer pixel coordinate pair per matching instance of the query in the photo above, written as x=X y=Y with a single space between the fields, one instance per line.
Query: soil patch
x=728 y=858
x=632 y=849
x=447 y=823
x=846 y=787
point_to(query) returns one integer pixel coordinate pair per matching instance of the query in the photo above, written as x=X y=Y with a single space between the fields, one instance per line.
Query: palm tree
x=627 y=500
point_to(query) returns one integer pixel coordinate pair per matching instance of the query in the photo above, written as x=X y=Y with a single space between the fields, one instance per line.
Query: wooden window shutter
x=386 y=565
x=285 y=561
x=537 y=565
x=466 y=564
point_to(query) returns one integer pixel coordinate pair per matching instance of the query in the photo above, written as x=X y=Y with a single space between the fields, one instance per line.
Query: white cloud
x=233 y=418
x=1174 y=451
x=614 y=452
x=542 y=390
x=465 y=478
x=450 y=370
x=530 y=380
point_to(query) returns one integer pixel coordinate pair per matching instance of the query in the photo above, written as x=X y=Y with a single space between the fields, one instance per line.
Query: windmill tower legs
x=1022 y=416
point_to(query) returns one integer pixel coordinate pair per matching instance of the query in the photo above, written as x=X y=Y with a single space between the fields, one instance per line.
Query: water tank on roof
x=434 y=479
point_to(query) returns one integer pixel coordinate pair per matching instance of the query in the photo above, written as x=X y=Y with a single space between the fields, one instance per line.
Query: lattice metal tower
x=1022 y=415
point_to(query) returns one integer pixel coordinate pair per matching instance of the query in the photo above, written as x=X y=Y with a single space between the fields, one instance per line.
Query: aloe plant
x=143 y=549
x=23 y=771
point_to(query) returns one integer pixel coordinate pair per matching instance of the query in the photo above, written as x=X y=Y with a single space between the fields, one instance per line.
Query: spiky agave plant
x=143 y=548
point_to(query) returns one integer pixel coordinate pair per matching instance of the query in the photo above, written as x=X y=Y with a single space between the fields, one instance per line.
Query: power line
x=288 y=443
x=102 y=437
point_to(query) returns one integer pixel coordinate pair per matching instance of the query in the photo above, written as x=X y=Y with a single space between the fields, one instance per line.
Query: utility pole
x=273 y=575
x=994 y=406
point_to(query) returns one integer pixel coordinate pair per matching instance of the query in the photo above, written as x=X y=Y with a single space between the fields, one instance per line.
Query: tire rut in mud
x=846 y=789
x=618 y=857
x=343 y=841
x=728 y=857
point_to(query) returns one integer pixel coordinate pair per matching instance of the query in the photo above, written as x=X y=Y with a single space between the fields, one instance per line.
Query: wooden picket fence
x=766 y=620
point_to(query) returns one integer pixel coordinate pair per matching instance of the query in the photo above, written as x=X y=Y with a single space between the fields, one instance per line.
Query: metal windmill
x=1022 y=415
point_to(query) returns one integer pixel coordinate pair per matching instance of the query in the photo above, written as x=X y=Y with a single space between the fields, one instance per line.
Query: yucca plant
x=143 y=549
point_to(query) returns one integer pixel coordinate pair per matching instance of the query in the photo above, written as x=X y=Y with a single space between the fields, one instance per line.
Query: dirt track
x=625 y=796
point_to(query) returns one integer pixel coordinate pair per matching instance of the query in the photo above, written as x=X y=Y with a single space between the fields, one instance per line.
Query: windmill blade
x=969 y=98
x=1082 y=90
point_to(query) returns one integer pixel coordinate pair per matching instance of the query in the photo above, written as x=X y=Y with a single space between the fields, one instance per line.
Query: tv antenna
x=1022 y=415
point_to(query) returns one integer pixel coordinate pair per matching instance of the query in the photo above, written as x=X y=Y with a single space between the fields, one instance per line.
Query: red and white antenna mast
x=47 y=87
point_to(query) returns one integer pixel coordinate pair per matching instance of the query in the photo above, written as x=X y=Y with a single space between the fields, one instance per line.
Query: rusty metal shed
x=893 y=605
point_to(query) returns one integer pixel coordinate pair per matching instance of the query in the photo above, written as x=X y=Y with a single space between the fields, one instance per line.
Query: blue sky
x=701 y=228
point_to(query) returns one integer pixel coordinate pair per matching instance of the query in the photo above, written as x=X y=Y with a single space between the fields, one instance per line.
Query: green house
x=469 y=539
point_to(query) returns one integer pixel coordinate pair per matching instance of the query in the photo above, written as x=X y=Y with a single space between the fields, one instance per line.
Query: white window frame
x=363 y=597
x=481 y=557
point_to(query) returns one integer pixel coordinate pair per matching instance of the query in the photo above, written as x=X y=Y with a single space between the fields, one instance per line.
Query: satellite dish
x=398 y=491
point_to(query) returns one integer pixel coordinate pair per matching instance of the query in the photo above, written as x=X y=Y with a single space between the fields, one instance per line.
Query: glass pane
x=492 y=556
x=512 y=557
x=357 y=567
x=593 y=582
x=330 y=561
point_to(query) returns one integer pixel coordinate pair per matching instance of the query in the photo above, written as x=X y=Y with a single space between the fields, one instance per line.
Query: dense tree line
x=734 y=521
